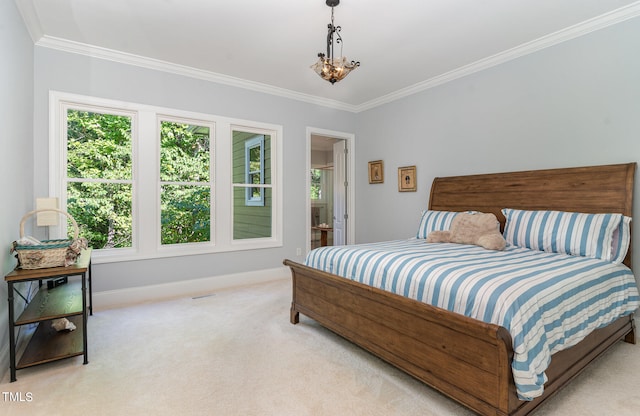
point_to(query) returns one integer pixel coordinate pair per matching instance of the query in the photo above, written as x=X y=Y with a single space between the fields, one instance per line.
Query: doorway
x=329 y=191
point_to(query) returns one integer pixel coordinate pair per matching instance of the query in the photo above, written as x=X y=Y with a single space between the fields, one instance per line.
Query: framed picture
x=407 y=179
x=376 y=171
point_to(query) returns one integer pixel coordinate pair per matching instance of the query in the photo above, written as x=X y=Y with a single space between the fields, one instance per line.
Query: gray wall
x=16 y=144
x=61 y=71
x=574 y=104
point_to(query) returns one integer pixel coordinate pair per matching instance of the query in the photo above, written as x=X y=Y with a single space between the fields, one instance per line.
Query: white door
x=340 y=192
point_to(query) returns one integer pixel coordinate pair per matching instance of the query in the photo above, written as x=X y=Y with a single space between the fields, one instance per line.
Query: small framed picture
x=376 y=171
x=407 y=179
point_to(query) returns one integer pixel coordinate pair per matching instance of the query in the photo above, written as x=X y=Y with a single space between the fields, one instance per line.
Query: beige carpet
x=235 y=353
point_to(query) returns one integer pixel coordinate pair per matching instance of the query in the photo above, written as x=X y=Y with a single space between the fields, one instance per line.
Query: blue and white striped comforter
x=548 y=302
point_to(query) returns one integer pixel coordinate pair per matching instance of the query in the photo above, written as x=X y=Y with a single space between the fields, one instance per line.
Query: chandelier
x=330 y=67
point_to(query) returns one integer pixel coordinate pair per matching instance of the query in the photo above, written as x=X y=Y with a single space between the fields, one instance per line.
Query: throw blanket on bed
x=548 y=302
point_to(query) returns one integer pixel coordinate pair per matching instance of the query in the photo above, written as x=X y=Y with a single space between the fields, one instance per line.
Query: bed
x=464 y=358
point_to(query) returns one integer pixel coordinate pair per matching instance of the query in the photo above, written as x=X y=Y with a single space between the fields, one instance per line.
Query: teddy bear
x=472 y=228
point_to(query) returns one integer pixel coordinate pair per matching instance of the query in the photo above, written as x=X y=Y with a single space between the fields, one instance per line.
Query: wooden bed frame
x=466 y=359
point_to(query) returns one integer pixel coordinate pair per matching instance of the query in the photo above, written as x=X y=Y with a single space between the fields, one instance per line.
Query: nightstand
x=67 y=300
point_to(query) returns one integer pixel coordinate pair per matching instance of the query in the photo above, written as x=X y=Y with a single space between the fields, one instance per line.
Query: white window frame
x=146 y=176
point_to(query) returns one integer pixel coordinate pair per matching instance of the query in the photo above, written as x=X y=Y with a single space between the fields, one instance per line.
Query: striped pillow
x=620 y=241
x=577 y=234
x=435 y=221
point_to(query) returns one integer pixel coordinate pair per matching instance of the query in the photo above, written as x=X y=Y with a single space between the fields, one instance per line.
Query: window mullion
x=146 y=188
x=223 y=195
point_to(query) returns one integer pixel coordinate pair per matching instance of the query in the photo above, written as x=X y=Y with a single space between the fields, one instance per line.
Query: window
x=185 y=184
x=254 y=170
x=146 y=182
x=99 y=177
x=316 y=184
x=252 y=175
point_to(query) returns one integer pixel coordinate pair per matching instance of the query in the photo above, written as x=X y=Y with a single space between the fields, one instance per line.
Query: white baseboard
x=196 y=287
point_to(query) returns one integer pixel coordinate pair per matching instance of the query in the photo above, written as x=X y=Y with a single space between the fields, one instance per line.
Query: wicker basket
x=51 y=253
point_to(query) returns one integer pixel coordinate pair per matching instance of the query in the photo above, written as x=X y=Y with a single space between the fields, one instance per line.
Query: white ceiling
x=404 y=46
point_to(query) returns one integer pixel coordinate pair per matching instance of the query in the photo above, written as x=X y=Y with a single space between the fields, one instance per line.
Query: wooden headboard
x=591 y=189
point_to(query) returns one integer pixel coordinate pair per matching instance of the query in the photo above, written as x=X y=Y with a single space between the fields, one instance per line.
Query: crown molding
x=164 y=66
x=588 y=26
x=600 y=22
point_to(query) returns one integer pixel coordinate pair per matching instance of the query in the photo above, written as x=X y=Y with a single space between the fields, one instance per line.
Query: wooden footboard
x=466 y=359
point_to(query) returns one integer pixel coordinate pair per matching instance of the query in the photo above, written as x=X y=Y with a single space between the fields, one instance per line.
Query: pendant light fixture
x=330 y=67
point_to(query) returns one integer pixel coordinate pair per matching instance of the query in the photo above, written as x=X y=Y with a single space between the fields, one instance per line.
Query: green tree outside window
x=99 y=177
